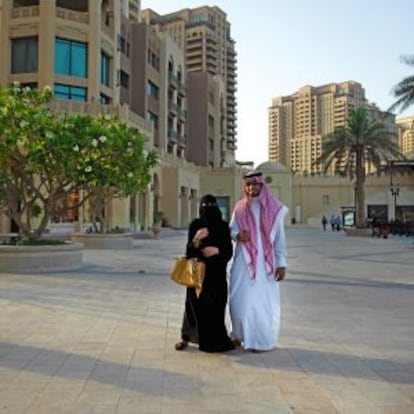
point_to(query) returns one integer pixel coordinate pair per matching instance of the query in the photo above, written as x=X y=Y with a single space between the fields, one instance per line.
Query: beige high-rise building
x=210 y=62
x=299 y=122
x=406 y=135
x=101 y=57
x=81 y=49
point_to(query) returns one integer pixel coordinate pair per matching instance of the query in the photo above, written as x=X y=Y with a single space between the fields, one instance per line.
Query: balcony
x=182 y=140
x=172 y=79
x=24 y=12
x=182 y=113
x=172 y=136
x=121 y=111
x=75 y=16
x=173 y=108
x=181 y=88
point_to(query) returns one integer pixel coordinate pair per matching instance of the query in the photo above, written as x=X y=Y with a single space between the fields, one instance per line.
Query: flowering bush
x=45 y=156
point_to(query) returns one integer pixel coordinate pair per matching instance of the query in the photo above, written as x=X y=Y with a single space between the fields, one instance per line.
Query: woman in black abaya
x=209 y=240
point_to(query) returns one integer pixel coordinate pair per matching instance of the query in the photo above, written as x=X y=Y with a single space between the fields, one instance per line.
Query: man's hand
x=243 y=236
x=280 y=273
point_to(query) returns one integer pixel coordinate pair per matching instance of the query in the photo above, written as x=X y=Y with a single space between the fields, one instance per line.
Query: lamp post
x=395 y=192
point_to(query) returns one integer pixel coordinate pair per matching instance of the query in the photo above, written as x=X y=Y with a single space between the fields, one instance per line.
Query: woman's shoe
x=180 y=346
x=236 y=342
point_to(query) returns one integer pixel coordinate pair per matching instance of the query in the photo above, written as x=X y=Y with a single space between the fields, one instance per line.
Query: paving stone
x=101 y=339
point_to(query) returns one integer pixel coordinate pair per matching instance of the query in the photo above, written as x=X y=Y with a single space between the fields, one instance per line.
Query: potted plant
x=157 y=222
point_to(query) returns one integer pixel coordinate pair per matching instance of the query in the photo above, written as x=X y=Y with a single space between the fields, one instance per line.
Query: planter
x=40 y=259
x=354 y=232
x=116 y=241
x=156 y=230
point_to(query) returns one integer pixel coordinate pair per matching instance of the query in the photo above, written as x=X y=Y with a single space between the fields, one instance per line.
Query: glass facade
x=25 y=55
x=105 y=69
x=69 y=92
x=152 y=90
x=71 y=58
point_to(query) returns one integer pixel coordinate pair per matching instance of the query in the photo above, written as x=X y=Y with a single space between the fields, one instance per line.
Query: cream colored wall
x=222 y=182
x=280 y=183
x=308 y=193
x=169 y=201
x=179 y=210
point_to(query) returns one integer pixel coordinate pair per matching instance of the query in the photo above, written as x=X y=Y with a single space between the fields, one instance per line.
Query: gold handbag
x=189 y=272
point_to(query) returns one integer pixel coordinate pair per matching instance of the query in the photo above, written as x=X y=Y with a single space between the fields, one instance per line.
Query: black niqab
x=209 y=212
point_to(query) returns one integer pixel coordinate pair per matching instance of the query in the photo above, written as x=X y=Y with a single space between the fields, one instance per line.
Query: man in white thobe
x=259 y=264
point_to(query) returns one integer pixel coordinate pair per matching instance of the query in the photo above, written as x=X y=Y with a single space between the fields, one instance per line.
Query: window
x=124 y=79
x=105 y=60
x=25 y=3
x=104 y=100
x=74 y=93
x=31 y=85
x=71 y=58
x=25 y=55
x=77 y=5
x=325 y=199
x=153 y=118
x=152 y=90
x=123 y=45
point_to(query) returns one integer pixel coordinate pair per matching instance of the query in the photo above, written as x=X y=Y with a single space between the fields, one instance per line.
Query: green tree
x=45 y=156
x=360 y=142
x=404 y=90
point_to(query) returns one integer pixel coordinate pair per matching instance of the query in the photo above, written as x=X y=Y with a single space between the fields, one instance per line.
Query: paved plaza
x=101 y=339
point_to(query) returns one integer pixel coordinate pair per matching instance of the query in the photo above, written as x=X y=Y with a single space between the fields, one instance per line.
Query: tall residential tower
x=210 y=63
x=299 y=122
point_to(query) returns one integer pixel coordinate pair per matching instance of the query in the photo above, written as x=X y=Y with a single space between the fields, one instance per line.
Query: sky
x=283 y=45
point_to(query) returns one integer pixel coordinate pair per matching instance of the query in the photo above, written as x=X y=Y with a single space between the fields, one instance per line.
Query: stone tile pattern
x=101 y=339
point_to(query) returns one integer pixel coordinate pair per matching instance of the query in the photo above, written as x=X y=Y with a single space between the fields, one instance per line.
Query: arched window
x=77 y=5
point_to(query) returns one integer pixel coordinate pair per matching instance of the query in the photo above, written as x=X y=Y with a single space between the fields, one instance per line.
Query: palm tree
x=404 y=90
x=360 y=142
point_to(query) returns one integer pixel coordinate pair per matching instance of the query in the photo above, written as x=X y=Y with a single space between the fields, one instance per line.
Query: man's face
x=253 y=187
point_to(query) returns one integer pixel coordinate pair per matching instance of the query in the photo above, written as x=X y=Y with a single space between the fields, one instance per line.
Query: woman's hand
x=200 y=235
x=210 y=251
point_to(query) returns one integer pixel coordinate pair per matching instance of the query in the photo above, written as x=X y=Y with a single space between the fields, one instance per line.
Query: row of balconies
x=176 y=110
x=177 y=137
x=175 y=82
x=61 y=13
x=121 y=111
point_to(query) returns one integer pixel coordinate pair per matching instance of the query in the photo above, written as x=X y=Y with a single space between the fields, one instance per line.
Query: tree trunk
x=360 y=193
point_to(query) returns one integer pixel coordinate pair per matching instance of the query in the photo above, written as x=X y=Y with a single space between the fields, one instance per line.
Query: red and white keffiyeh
x=270 y=207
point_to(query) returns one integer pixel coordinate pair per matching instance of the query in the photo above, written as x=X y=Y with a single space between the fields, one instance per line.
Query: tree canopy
x=361 y=142
x=45 y=156
x=404 y=90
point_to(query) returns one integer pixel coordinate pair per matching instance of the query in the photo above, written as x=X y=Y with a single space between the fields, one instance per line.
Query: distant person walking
x=338 y=223
x=324 y=222
x=332 y=221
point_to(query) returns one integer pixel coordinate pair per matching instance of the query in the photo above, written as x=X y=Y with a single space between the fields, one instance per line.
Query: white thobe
x=255 y=304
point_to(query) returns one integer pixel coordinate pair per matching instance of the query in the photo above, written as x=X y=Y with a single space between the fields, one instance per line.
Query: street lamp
x=395 y=192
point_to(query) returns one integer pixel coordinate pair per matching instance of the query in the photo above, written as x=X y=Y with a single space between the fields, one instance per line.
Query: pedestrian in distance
x=324 y=222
